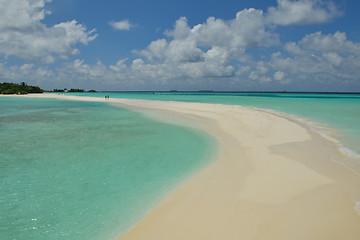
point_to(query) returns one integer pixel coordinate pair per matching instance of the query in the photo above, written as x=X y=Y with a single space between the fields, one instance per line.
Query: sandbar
x=272 y=178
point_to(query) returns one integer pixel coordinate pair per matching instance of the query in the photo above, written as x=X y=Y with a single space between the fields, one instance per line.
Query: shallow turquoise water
x=83 y=170
x=339 y=111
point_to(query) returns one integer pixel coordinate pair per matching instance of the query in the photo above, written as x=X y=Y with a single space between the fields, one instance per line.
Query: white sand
x=272 y=179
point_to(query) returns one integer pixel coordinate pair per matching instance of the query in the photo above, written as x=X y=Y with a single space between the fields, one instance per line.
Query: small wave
x=328 y=133
x=349 y=152
x=323 y=130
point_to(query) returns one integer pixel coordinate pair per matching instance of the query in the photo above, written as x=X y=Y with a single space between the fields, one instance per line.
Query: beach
x=272 y=178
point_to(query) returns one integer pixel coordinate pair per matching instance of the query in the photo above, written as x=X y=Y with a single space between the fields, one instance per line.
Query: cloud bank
x=243 y=52
x=22 y=34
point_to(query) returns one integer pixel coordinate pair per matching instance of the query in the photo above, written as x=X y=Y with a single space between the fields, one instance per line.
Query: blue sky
x=302 y=45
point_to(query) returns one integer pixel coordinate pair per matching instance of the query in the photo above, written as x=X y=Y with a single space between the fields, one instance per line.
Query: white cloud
x=184 y=51
x=265 y=79
x=247 y=30
x=181 y=29
x=97 y=70
x=302 y=12
x=279 y=75
x=242 y=70
x=29 y=73
x=210 y=53
x=253 y=75
x=120 y=66
x=261 y=67
x=293 y=48
x=122 y=25
x=331 y=43
x=22 y=14
x=23 y=35
x=155 y=50
x=207 y=50
x=328 y=58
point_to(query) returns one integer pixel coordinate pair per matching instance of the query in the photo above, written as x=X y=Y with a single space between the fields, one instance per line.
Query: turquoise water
x=83 y=170
x=338 y=111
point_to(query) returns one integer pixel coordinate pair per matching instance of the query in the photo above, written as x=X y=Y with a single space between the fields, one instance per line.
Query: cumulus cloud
x=325 y=57
x=331 y=43
x=122 y=25
x=207 y=50
x=247 y=29
x=213 y=52
x=27 y=72
x=23 y=35
x=302 y=12
x=279 y=75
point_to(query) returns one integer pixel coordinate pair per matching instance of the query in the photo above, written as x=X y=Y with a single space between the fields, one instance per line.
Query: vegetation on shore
x=23 y=88
x=71 y=90
x=15 y=88
x=68 y=90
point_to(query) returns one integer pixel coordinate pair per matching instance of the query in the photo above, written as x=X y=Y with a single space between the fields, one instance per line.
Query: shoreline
x=272 y=179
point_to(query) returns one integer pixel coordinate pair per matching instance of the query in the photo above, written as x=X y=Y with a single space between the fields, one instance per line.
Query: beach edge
x=273 y=179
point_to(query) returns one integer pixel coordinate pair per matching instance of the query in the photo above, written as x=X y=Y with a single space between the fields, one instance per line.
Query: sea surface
x=337 y=116
x=81 y=170
x=84 y=170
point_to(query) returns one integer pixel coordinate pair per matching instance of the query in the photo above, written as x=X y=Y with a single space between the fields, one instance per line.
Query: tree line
x=16 y=88
x=71 y=90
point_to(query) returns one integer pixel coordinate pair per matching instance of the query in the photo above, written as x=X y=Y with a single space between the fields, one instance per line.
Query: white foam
x=328 y=133
x=357 y=207
x=323 y=130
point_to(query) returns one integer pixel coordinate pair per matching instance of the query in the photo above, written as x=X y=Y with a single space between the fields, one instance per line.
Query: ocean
x=84 y=170
x=336 y=115
x=91 y=170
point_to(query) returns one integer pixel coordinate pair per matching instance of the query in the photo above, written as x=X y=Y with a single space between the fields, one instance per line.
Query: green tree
x=22 y=88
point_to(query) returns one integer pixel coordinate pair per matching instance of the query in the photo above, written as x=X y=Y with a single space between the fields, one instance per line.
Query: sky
x=225 y=45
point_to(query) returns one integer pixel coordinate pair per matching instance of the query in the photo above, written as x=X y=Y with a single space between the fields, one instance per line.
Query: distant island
x=15 y=88
x=71 y=90
x=24 y=88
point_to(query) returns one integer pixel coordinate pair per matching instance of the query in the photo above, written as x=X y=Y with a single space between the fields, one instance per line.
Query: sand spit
x=272 y=179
